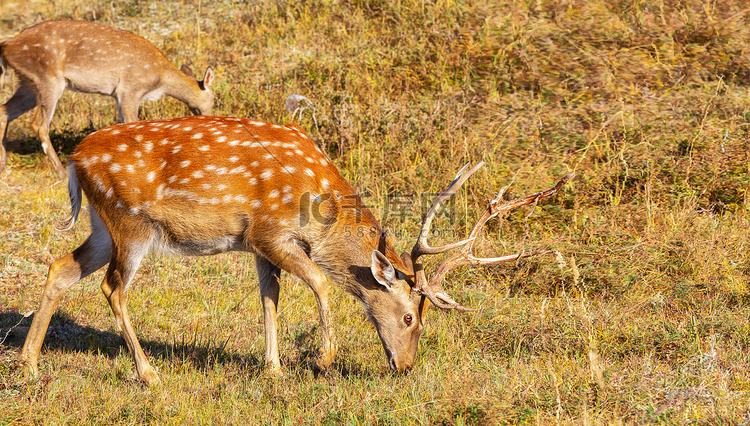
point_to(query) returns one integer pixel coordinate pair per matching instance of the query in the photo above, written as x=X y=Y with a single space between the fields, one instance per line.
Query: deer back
x=202 y=179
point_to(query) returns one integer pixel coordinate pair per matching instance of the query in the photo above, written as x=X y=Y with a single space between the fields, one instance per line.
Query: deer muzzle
x=398 y=364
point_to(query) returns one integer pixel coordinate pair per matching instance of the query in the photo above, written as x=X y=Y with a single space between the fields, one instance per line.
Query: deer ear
x=208 y=78
x=382 y=269
x=187 y=71
x=406 y=258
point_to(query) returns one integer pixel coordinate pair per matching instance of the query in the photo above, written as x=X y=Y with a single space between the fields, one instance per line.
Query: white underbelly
x=86 y=81
x=153 y=95
x=198 y=248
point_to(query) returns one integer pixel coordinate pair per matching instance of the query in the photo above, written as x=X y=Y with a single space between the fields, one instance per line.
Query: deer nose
x=392 y=364
x=395 y=365
x=391 y=359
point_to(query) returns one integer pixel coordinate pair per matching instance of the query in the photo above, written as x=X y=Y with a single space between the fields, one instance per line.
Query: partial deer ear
x=382 y=269
x=406 y=258
x=187 y=71
x=208 y=78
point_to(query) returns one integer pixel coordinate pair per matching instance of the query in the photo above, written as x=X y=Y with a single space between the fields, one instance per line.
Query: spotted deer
x=205 y=185
x=91 y=58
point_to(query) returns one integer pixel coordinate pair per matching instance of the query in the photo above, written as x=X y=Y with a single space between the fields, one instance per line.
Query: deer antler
x=433 y=289
x=421 y=247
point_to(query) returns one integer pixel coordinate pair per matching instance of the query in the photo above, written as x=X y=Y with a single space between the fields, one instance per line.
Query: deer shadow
x=64 y=141
x=65 y=335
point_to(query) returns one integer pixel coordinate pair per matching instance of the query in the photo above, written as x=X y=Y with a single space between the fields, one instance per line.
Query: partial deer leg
x=291 y=258
x=268 y=275
x=94 y=253
x=47 y=102
x=125 y=262
x=127 y=107
x=22 y=101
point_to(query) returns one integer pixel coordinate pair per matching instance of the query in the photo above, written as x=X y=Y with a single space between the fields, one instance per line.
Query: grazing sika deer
x=91 y=58
x=206 y=185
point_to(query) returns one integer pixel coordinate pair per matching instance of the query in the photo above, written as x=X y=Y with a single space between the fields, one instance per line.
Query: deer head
x=401 y=340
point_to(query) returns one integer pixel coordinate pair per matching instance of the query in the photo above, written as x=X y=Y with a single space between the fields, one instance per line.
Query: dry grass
x=642 y=318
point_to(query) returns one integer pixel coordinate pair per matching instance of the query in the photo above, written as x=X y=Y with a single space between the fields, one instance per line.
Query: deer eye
x=407 y=319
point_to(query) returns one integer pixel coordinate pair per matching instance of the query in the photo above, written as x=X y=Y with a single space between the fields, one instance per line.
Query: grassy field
x=642 y=317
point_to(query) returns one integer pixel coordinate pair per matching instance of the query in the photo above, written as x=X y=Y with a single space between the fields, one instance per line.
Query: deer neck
x=181 y=87
x=346 y=254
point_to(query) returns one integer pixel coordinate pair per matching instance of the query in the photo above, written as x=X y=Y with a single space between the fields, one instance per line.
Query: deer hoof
x=274 y=370
x=326 y=359
x=28 y=369
x=149 y=377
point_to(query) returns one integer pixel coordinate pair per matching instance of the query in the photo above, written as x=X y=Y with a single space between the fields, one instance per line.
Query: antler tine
x=422 y=247
x=494 y=209
x=434 y=289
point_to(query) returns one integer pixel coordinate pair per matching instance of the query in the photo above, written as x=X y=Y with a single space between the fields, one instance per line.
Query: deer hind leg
x=125 y=262
x=94 y=253
x=22 y=101
x=46 y=104
x=268 y=275
x=290 y=257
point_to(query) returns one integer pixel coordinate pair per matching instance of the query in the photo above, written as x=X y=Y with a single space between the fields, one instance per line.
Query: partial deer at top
x=91 y=58
x=207 y=185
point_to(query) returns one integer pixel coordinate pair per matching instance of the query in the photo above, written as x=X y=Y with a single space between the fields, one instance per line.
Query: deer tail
x=74 y=191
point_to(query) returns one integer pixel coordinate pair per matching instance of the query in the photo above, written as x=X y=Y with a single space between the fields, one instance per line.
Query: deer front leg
x=328 y=352
x=127 y=107
x=292 y=259
x=268 y=276
x=3 y=134
x=318 y=282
